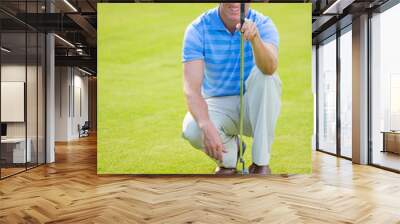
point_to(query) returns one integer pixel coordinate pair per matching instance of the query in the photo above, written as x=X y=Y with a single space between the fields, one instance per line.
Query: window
x=385 y=89
x=346 y=93
x=327 y=96
x=22 y=88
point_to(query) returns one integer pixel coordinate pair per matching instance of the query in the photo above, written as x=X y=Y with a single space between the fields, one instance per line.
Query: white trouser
x=261 y=105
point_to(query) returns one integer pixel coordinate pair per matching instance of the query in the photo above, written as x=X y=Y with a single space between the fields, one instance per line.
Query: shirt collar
x=216 y=21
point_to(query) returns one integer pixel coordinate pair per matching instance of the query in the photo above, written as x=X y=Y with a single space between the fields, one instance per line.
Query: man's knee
x=259 y=81
x=191 y=132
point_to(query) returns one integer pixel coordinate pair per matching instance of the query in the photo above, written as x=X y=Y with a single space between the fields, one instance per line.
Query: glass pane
x=31 y=85
x=41 y=99
x=386 y=89
x=31 y=100
x=346 y=93
x=327 y=96
x=13 y=89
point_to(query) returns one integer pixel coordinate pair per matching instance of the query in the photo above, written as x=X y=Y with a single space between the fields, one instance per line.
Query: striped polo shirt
x=207 y=39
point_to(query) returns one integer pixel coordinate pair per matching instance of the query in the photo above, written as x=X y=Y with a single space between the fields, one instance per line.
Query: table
x=391 y=141
x=16 y=147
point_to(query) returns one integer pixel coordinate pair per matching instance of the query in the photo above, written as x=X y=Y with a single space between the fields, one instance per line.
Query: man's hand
x=193 y=77
x=265 y=54
x=212 y=142
x=249 y=30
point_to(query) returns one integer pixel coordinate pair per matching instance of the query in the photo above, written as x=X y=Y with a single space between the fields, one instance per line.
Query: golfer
x=211 y=67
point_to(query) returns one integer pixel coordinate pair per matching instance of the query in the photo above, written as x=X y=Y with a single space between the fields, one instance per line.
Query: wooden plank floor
x=69 y=191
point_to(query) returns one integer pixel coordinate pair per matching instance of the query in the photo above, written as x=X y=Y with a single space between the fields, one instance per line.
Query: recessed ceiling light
x=70 y=5
x=338 y=6
x=84 y=71
x=64 y=40
x=5 y=50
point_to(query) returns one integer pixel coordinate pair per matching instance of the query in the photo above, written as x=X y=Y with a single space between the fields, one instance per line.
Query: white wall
x=17 y=73
x=82 y=83
x=13 y=72
x=70 y=83
x=62 y=81
x=10 y=73
x=33 y=126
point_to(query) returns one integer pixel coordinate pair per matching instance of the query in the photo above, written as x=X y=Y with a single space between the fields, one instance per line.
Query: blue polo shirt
x=207 y=39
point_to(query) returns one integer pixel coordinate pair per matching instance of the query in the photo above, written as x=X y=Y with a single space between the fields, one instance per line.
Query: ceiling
x=330 y=15
x=76 y=22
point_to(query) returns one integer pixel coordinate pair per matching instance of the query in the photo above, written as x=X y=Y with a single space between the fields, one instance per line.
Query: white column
x=50 y=92
x=360 y=90
x=50 y=110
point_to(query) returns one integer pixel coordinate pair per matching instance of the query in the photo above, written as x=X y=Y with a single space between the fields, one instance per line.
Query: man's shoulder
x=258 y=17
x=204 y=19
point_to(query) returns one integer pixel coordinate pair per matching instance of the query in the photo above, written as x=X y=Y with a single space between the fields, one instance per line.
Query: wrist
x=256 y=39
x=204 y=124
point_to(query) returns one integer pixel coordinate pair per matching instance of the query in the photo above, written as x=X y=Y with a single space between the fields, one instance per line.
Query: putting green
x=140 y=100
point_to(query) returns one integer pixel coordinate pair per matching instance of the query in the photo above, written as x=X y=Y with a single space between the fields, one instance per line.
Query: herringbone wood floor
x=69 y=191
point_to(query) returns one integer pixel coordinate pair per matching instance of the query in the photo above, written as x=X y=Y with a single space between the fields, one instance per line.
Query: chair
x=84 y=130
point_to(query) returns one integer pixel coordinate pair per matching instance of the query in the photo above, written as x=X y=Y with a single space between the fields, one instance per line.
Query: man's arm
x=193 y=77
x=265 y=54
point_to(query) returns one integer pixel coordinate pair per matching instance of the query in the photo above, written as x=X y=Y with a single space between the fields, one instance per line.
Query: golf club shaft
x=242 y=16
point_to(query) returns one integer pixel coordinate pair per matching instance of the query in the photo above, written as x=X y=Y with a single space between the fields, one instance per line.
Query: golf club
x=241 y=113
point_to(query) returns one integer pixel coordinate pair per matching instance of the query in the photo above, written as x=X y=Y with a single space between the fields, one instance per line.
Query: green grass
x=140 y=100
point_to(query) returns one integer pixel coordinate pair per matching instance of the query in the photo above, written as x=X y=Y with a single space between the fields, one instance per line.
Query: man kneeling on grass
x=211 y=61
